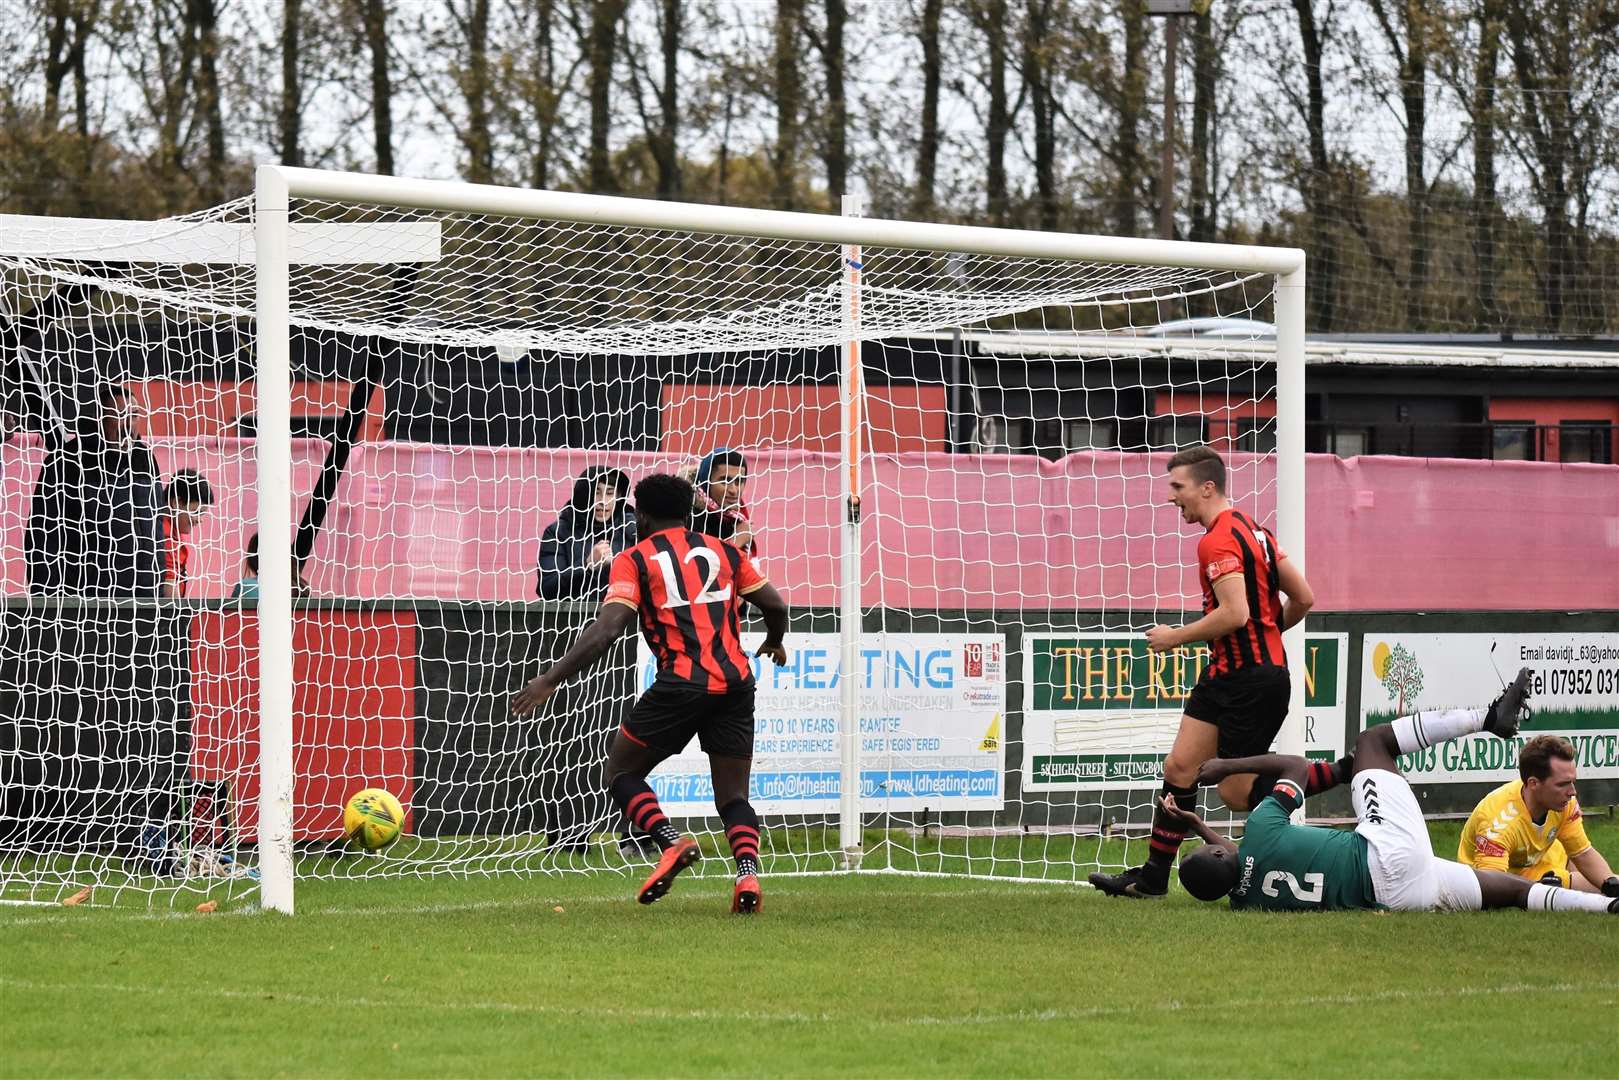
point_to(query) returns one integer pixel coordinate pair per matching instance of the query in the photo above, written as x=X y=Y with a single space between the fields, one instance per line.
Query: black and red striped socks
x=1167 y=834
x=1321 y=776
x=640 y=805
x=1326 y=775
x=742 y=830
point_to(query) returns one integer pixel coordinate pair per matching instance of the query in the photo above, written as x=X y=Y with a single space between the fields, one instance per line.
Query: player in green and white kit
x=1388 y=861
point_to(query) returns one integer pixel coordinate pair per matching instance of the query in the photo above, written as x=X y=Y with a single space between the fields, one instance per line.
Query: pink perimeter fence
x=940 y=530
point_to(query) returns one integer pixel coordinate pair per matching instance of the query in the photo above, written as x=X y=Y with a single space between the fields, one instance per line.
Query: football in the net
x=372 y=819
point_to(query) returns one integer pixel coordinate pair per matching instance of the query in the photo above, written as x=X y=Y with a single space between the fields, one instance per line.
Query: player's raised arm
x=608 y=626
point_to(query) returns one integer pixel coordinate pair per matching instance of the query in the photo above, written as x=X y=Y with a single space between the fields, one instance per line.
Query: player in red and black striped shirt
x=1251 y=593
x=687 y=590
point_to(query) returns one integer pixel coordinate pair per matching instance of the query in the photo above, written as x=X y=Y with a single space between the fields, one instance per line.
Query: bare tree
x=605 y=16
x=1038 y=46
x=835 y=137
x=667 y=142
x=536 y=86
x=1563 y=54
x=989 y=18
x=1130 y=102
x=927 y=147
x=1317 y=184
x=788 y=91
x=663 y=127
x=176 y=43
x=1205 y=77
x=1407 y=27
x=68 y=25
x=84 y=20
x=472 y=75
x=205 y=14
x=1491 y=15
x=292 y=106
x=374 y=25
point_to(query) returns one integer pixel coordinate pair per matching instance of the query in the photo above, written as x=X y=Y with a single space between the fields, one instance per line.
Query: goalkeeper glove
x=1611 y=886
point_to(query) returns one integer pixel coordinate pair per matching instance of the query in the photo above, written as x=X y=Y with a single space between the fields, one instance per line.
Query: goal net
x=415 y=412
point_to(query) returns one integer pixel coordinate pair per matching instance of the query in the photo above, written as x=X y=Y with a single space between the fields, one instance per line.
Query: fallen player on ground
x=1388 y=861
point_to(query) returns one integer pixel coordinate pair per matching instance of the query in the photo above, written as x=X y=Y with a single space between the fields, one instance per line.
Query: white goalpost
x=954 y=440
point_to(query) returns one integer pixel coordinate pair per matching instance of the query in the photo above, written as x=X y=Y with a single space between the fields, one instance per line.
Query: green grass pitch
x=840 y=976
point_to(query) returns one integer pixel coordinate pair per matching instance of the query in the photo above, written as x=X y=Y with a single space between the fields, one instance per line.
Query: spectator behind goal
x=185 y=501
x=92 y=527
x=720 y=508
x=248 y=587
x=577 y=548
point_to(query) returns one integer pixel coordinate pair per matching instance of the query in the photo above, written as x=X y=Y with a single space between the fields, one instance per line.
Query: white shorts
x=1405 y=874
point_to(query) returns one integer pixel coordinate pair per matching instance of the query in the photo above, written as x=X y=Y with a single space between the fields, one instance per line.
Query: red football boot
x=746 y=899
x=681 y=854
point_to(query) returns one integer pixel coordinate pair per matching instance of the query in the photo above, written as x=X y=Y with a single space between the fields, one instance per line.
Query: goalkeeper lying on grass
x=1388 y=861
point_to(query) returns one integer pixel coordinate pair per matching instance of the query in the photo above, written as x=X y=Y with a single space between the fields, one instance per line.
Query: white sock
x=1552 y=898
x=1422 y=730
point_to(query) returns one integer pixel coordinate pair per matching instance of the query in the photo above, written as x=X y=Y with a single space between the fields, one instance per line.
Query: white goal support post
x=422 y=403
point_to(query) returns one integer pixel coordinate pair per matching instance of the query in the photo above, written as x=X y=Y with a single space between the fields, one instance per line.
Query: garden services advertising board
x=931 y=716
x=1100 y=711
x=1575 y=694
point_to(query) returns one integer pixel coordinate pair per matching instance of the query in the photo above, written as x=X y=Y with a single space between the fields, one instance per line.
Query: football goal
x=298 y=491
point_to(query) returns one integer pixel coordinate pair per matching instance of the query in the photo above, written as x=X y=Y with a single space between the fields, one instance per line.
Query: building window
x=1005 y=435
x=1256 y=435
x=991 y=435
x=1514 y=440
x=1091 y=435
x=1348 y=442
x=1585 y=442
x=1177 y=432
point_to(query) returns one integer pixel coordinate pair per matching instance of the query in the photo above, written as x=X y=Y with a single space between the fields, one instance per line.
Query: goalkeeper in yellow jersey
x=1531 y=827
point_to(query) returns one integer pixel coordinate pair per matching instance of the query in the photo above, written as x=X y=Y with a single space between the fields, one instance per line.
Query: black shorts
x=669 y=714
x=1247 y=705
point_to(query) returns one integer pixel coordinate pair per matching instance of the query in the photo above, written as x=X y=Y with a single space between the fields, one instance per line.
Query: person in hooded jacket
x=721 y=508
x=92 y=527
x=576 y=553
x=577 y=549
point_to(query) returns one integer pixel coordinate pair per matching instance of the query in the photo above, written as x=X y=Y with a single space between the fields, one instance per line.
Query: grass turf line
x=870 y=976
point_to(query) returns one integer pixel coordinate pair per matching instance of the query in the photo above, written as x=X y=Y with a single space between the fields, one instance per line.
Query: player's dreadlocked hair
x=663 y=497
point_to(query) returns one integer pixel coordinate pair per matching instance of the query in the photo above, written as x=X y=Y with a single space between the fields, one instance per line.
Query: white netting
x=455 y=375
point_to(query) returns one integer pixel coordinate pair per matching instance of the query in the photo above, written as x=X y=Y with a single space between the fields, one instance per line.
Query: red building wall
x=1551 y=411
x=900 y=419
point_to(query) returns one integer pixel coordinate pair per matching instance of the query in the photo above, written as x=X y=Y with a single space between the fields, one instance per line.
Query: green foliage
x=1504 y=225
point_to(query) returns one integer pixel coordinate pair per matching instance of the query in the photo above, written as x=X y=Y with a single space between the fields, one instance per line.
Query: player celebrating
x=688 y=589
x=1238 y=705
x=1388 y=861
x=1531 y=826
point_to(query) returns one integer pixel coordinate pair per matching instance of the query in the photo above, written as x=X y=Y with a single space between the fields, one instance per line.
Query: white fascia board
x=192 y=243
